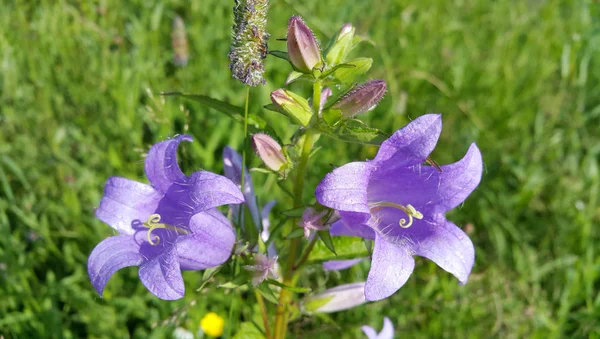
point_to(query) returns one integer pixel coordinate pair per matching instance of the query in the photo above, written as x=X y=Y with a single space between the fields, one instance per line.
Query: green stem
x=285 y=297
x=263 y=312
x=243 y=179
x=306 y=252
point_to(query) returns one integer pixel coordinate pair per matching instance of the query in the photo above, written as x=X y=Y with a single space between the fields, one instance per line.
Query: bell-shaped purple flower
x=165 y=227
x=396 y=201
x=386 y=333
x=302 y=46
x=361 y=99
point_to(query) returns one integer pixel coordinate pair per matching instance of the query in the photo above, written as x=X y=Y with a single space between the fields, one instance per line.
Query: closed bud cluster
x=302 y=46
x=179 y=42
x=341 y=46
x=269 y=151
x=362 y=99
x=249 y=45
x=292 y=105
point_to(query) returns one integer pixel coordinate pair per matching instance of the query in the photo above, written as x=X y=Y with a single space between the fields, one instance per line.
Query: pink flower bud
x=362 y=99
x=325 y=94
x=302 y=46
x=269 y=151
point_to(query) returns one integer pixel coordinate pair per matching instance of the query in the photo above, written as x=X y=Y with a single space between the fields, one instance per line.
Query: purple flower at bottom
x=386 y=333
x=396 y=201
x=165 y=227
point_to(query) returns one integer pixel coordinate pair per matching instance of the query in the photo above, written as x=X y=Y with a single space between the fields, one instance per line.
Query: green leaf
x=348 y=75
x=326 y=238
x=346 y=248
x=296 y=233
x=281 y=55
x=208 y=273
x=248 y=331
x=289 y=288
x=293 y=76
x=334 y=69
x=256 y=124
x=313 y=304
x=294 y=212
x=354 y=131
x=266 y=292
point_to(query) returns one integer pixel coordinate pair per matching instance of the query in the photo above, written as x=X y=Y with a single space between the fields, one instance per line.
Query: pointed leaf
x=348 y=75
x=326 y=238
x=289 y=288
x=296 y=233
x=336 y=68
x=266 y=292
x=346 y=248
x=280 y=54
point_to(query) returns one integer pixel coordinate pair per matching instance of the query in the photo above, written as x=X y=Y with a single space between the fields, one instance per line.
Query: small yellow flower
x=212 y=324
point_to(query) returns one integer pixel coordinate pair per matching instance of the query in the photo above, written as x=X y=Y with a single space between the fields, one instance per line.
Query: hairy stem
x=285 y=298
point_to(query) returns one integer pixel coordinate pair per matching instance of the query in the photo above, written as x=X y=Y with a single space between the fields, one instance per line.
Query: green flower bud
x=342 y=45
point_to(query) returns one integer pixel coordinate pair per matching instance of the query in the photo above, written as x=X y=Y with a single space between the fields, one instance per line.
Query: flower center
x=410 y=211
x=153 y=223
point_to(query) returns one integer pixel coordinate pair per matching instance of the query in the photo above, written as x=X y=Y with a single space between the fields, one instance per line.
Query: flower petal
x=161 y=163
x=459 y=179
x=345 y=188
x=126 y=201
x=265 y=233
x=411 y=144
x=343 y=227
x=369 y=332
x=210 y=243
x=337 y=265
x=203 y=191
x=388 y=329
x=162 y=276
x=109 y=256
x=233 y=170
x=338 y=298
x=449 y=247
x=390 y=268
x=427 y=189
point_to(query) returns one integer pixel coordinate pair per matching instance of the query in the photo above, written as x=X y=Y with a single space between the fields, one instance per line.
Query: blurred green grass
x=79 y=84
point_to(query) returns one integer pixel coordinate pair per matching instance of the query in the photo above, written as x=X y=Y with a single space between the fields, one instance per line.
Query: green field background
x=79 y=102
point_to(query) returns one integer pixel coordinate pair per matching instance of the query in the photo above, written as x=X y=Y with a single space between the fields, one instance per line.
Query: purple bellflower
x=386 y=333
x=165 y=227
x=400 y=204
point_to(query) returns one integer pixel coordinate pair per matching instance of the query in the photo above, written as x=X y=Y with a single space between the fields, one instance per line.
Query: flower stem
x=285 y=297
x=263 y=311
x=242 y=180
x=306 y=252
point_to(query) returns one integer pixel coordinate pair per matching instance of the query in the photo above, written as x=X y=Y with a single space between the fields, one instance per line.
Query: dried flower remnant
x=312 y=221
x=249 y=43
x=263 y=268
x=179 y=42
x=386 y=333
x=401 y=204
x=302 y=46
x=165 y=227
x=361 y=99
